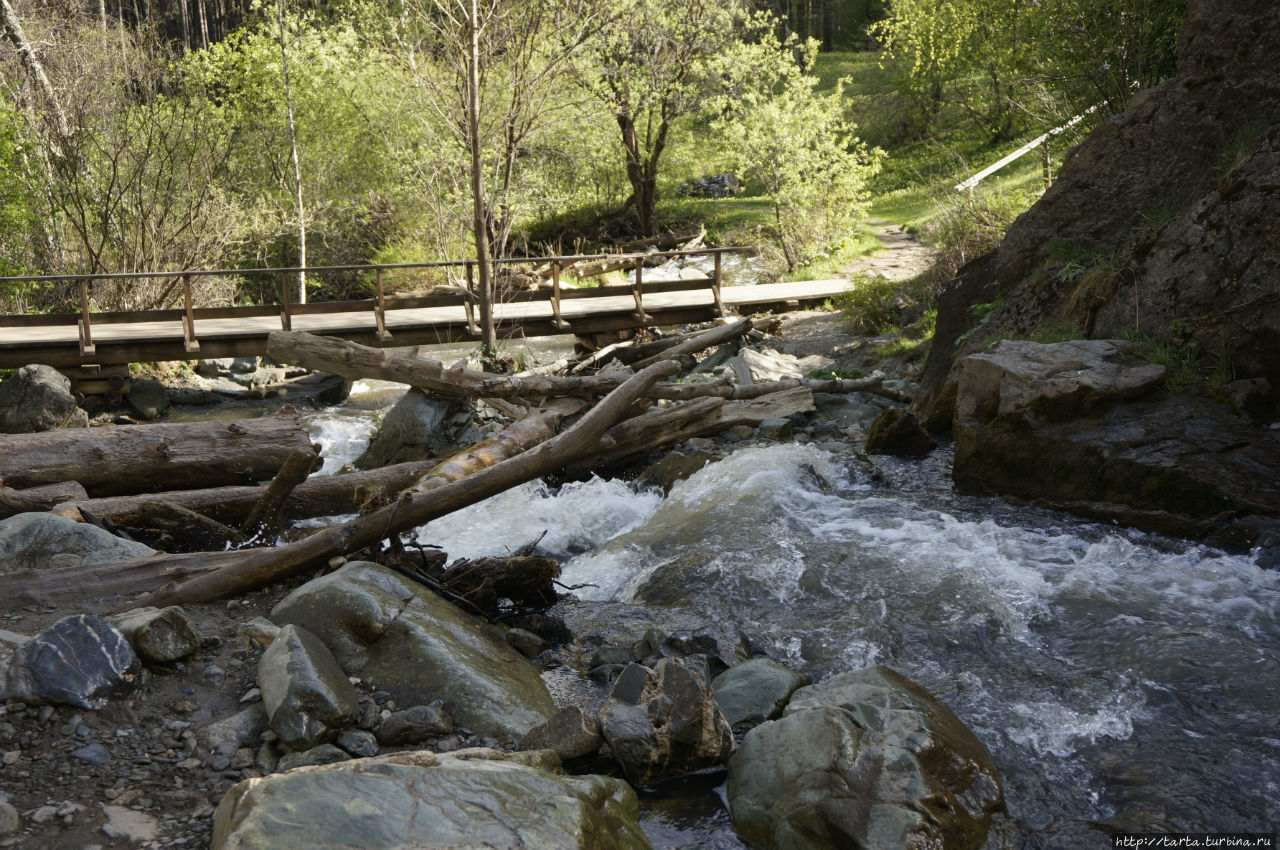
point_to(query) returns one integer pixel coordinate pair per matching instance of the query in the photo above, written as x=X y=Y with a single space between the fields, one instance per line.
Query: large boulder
x=38 y=398
x=422 y=800
x=419 y=427
x=865 y=760
x=1161 y=222
x=81 y=660
x=664 y=722
x=37 y=541
x=756 y=691
x=306 y=695
x=406 y=640
x=1082 y=426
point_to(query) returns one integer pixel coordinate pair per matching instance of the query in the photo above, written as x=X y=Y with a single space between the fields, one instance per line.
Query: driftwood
x=209 y=576
x=267 y=515
x=706 y=339
x=142 y=458
x=37 y=499
x=194 y=532
x=527 y=580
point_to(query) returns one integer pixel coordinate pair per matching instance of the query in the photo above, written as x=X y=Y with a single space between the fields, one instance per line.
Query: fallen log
x=37 y=499
x=140 y=458
x=706 y=339
x=192 y=531
x=267 y=515
x=209 y=576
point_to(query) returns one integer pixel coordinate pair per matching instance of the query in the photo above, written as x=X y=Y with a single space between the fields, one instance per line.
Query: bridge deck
x=119 y=340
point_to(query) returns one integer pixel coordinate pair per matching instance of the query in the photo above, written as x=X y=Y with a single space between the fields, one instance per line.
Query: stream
x=1117 y=677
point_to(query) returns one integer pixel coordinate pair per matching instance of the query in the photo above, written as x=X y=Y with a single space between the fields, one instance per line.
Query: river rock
x=755 y=691
x=402 y=638
x=415 y=725
x=664 y=722
x=148 y=398
x=306 y=695
x=423 y=800
x=864 y=759
x=896 y=431
x=674 y=466
x=769 y=365
x=159 y=634
x=418 y=427
x=37 y=541
x=9 y=820
x=38 y=398
x=571 y=734
x=1064 y=424
x=241 y=729
x=80 y=660
x=323 y=754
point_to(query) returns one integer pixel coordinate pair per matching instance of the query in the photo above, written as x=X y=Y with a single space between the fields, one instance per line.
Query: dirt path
x=903 y=256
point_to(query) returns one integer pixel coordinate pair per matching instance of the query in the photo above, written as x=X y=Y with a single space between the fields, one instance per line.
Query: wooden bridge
x=72 y=341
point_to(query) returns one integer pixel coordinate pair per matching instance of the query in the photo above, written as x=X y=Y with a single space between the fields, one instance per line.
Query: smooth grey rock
x=358 y=743
x=418 y=427
x=37 y=541
x=159 y=634
x=306 y=695
x=323 y=754
x=770 y=365
x=664 y=722
x=80 y=660
x=133 y=826
x=148 y=398
x=9 y=820
x=864 y=759
x=38 y=398
x=673 y=467
x=422 y=800
x=756 y=691
x=402 y=638
x=571 y=734
x=241 y=729
x=415 y=725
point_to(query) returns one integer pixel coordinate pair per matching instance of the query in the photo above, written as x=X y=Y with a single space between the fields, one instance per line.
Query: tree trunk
x=142 y=458
x=297 y=165
x=27 y=56
x=479 y=223
x=43 y=498
x=265 y=518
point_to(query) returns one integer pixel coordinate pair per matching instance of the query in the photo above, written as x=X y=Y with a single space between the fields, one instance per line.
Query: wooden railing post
x=717 y=278
x=286 y=320
x=86 y=332
x=635 y=291
x=380 y=311
x=555 y=297
x=189 y=341
x=468 y=301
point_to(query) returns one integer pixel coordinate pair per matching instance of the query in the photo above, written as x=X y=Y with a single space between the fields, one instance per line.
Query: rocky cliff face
x=1166 y=220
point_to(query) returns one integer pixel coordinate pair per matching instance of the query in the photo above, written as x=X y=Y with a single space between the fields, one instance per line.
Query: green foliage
x=873 y=305
x=17 y=210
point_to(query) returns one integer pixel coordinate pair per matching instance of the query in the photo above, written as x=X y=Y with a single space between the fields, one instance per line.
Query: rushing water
x=1116 y=677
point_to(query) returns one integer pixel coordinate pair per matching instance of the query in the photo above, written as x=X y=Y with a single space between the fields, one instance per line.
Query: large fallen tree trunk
x=208 y=576
x=334 y=495
x=37 y=499
x=142 y=458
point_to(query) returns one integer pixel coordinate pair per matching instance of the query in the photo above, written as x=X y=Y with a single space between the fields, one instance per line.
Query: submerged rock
x=422 y=800
x=664 y=722
x=38 y=398
x=866 y=759
x=406 y=640
x=307 y=697
x=37 y=541
x=80 y=660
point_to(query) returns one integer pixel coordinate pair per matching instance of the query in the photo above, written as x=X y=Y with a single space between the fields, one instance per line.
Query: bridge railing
x=380 y=304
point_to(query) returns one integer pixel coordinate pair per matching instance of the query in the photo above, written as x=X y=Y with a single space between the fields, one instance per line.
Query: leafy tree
x=796 y=144
x=664 y=61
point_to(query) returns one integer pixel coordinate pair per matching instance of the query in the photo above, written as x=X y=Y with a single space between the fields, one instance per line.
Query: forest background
x=148 y=135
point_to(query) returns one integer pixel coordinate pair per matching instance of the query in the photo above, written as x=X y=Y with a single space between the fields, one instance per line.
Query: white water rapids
x=1116 y=677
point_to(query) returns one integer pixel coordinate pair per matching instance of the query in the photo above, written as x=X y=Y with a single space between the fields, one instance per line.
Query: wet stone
x=307 y=696
x=80 y=660
x=571 y=733
x=358 y=743
x=756 y=691
x=416 y=724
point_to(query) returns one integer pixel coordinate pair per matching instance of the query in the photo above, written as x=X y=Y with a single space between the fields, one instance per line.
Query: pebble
x=9 y=820
x=92 y=753
x=214 y=674
x=11 y=757
x=44 y=814
x=251 y=695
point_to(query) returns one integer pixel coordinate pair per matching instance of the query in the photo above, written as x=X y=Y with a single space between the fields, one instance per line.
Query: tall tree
x=293 y=150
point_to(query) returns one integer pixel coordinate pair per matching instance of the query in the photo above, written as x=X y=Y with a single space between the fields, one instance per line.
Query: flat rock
x=38 y=541
x=402 y=638
x=307 y=696
x=422 y=800
x=159 y=634
x=130 y=825
x=864 y=759
x=756 y=691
